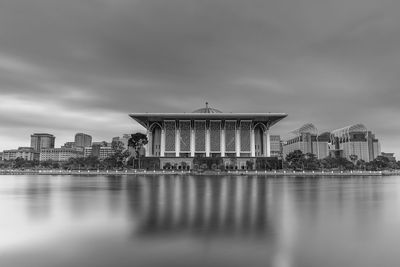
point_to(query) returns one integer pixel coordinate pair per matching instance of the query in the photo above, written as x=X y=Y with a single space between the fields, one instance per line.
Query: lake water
x=68 y=221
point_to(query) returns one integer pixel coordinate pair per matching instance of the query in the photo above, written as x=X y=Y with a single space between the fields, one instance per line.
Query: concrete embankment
x=206 y=173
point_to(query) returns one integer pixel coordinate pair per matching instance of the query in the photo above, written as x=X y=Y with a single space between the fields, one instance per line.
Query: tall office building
x=83 y=140
x=42 y=140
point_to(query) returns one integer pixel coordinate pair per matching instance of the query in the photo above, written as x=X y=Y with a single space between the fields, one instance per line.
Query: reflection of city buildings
x=307 y=139
x=208 y=132
x=174 y=204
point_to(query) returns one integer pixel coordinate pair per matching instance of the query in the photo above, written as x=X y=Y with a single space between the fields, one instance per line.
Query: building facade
x=58 y=154
x=307 y=140
x=102 y=143
x=101 y=152
x=69 y=145
x=26 y=153
x=83 y=140
x=208 y=132
x=42 y=140
x=355 y=140
x=276 y=146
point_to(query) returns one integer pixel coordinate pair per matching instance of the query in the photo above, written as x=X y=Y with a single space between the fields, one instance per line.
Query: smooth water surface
x=52 y=221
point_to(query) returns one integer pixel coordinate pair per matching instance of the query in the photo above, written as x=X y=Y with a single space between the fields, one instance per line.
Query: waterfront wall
x=175 y=172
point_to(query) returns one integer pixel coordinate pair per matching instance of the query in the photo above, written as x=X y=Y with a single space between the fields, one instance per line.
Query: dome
x=207 y=109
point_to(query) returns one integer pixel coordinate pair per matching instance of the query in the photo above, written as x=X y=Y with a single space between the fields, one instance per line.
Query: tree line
x=131 y=157
x=297 y=160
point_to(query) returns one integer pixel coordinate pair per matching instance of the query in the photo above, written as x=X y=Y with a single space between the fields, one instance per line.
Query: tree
x=249 y=164
x=360 y=164
x=311 y=161
x=296 y=159
x=354 y=159
x=120 y=154
x=136 y=142
x=344 y=163
x=379 y=163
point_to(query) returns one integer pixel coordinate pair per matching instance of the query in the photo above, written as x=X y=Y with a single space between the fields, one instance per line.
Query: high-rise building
x=83 y=140
x=307 y=140
x=42 y=140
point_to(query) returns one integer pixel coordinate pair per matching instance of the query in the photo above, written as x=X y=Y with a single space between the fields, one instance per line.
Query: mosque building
x=208 y=132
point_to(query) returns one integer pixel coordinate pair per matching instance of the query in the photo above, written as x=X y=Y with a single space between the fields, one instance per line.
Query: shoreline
x=205 y=173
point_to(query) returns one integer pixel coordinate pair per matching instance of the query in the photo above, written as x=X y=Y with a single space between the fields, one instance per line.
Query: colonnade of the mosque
x=189 y=138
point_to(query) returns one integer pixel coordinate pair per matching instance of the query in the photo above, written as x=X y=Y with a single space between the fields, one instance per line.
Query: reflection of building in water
x=175 y=204
x=39 y=191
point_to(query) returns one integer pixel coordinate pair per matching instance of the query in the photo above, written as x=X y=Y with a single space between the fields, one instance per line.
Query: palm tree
x=136 y=142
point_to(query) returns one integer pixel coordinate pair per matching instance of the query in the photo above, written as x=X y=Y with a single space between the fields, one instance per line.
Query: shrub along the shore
x=294 y=161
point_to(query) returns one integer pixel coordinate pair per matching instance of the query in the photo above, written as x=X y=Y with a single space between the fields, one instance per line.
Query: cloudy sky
x=83 y=65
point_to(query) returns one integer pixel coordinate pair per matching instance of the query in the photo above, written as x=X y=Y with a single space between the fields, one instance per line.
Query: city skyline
x=80 y=67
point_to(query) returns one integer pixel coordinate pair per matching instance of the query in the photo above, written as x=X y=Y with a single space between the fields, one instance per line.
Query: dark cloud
x=69 y=66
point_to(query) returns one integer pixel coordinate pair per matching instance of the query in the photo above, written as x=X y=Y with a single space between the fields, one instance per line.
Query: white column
x=162 y=143
x=268 y=143
x=207 y=141
x=252 y=143
x=192 y=140
x=149 y=144
x=177 y=142
x=222 y=143
x=238 y=142
x=264 y=137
